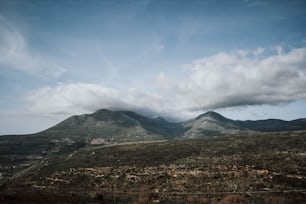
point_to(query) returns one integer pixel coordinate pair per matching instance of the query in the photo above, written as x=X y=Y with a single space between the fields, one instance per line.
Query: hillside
x=105 y=127
x=113 y=127
x=120 y=155
x=212 y=124
x=230 y=169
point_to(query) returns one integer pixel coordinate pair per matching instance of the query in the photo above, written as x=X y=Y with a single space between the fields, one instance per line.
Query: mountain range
x=126 y=126
x=105 y=127
x=214 y=124
x=89 y=155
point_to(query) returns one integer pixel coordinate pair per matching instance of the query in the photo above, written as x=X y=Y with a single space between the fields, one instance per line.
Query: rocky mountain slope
x=90 y=152
x=127 y=126
x=214 y=124
x=105 y=127
x=211 y=124
x=114 y=126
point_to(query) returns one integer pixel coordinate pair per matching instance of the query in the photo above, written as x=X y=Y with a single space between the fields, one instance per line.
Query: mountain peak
x=101 y=111
x=103 y=114
x=212 y=115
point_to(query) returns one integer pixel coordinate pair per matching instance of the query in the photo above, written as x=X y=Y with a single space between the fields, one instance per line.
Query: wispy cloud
x=14 y=54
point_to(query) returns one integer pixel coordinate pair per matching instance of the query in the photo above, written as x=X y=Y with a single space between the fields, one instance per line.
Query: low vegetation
x=255 y=168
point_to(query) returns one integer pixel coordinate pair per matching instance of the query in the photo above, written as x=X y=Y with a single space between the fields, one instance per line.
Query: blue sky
x=244 y=59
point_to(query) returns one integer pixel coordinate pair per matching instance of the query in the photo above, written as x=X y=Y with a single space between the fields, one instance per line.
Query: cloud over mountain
x=237 y=78
x=77 y=98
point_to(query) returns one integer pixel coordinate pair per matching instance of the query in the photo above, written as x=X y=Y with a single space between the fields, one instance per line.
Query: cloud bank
x=227 y=79
x=78 y=98
x=239 y=78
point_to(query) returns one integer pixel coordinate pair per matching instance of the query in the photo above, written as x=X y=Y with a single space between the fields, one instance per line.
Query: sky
x=171 y=58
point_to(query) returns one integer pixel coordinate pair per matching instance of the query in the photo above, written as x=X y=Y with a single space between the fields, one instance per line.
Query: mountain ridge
x=104 y=121
x=105 y=127
x=211 y=124
x=212 y=114
x=207 y=124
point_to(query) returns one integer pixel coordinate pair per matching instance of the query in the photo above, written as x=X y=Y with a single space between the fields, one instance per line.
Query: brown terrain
x=250 y=168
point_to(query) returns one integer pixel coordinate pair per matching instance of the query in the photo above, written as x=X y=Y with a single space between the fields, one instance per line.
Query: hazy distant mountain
x=213 y=124
x=274 y=125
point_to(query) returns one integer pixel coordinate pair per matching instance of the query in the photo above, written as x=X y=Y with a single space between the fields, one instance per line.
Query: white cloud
x=279 y=50
x=78 y=98
x=14 y=54
x=257 y=52
x=239 y=78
